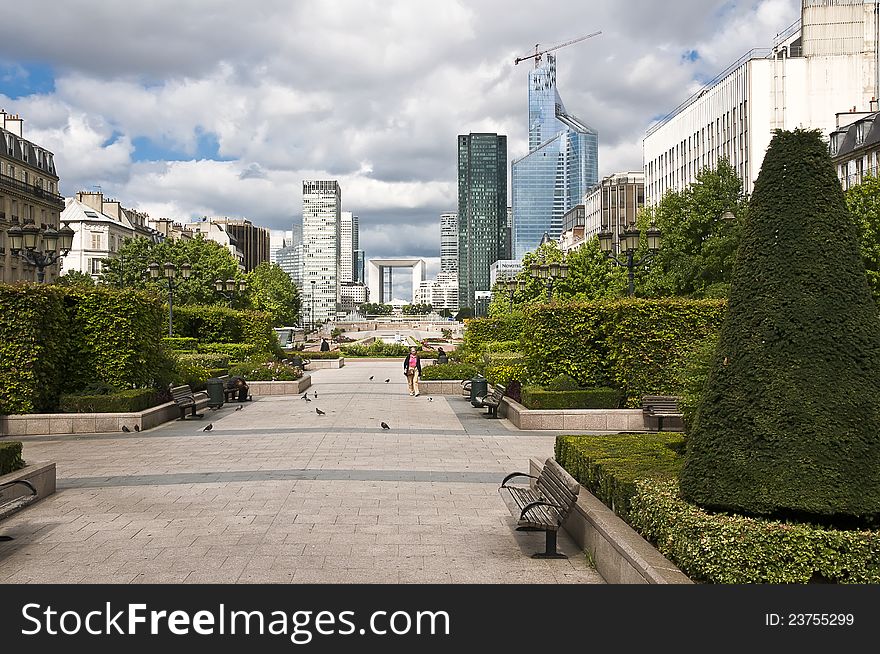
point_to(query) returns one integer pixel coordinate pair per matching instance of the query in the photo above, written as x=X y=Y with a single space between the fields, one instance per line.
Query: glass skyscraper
x=482 y=211
x=561 y=166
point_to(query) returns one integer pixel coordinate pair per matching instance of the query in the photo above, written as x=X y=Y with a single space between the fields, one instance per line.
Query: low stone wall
x=440 y=387
x=323 y=364
x=621 y=556
x=258 y=388
x=41 y=475
x=629 y=420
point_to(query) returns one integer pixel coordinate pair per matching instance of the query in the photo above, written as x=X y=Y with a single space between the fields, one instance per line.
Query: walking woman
x=412 y=368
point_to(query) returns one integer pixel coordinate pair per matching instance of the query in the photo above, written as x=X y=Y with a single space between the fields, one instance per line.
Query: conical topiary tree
x=789 y=424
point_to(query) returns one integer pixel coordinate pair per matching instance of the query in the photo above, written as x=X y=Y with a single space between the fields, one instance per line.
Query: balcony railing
x=38 y=191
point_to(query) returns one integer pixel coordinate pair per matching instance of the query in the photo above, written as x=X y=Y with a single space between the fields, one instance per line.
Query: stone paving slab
x=278 y=494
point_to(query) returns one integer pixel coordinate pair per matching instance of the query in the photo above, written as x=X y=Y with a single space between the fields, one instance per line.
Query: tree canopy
x=863 y=201
x=271 y=290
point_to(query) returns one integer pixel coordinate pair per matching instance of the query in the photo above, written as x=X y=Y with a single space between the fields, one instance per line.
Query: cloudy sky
x=185 y=108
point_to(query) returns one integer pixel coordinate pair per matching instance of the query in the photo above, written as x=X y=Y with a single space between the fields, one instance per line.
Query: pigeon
x=316 y=395
x=385 y=426
x=239 y=407
x=209 y=427
x=430 y=399
x=305 y=396
x=125 y=429
x=387 y=380
x=318 y=411
x=137 y=427
x=371 y=377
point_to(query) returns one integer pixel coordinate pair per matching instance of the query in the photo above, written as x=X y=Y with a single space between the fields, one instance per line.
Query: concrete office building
x=826 y=61
x=252 y=240
x=449 y=242
x=349 y=243
x=322 y=216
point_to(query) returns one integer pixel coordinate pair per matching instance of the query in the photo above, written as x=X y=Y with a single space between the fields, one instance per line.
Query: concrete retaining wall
x=258 y=388
x=323 y=364
x=629 y=420
x=440 y=386
x=621 y=556
x=41 y=475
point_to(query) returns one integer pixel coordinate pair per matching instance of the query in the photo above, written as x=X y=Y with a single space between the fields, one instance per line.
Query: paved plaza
x=276 y=493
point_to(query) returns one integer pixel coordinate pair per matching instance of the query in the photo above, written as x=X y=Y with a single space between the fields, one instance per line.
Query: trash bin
x=214 y=388
x=479 y=388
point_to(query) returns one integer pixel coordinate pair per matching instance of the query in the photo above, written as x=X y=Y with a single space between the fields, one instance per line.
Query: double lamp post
x=630 y=239
x=39 y=247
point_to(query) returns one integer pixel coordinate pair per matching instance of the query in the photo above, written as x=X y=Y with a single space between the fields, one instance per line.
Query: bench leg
x=550 y=548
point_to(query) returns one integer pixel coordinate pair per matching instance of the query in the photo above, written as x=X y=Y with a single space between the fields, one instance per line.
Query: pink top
x=413 y=360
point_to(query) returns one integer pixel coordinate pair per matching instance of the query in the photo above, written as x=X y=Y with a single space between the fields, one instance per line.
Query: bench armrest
x=23 y=482
x=532 y=505
x=515 y=474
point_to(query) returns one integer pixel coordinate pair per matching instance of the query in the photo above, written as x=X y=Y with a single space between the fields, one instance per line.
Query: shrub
x=234 y=351
x=181 y=343
x=216 y=324
x=10 y=457
x=381 y=349
x=789 y=425
x=727 y=549
x=188 y=371
x=333 y=354
x=265 y=369
x=448 y=371
x=205 y=359
x=127 y=401
x=610 y=466
x=562 y=382
x=691 y=378
x=534 y=397
x=506 y=367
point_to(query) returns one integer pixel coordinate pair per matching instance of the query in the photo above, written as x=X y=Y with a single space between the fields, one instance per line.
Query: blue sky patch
x=207 y=147
x=18 y=80
x=691 y=55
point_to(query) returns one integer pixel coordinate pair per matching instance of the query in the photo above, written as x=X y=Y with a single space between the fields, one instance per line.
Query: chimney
x=12 y=123
x=874 y=105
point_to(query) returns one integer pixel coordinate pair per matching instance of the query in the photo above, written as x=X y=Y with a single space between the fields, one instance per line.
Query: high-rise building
x=322 y=200
x=562 y=163
x=449 y=242
x=289 y=259
x=360 y=264
x=823 y=62
x=278 y=239
x=482 y=211
x=349 y=242
x=252 y=240
x=28 y=193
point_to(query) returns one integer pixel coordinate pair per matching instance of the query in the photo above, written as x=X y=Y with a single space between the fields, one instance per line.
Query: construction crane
x=537 y=55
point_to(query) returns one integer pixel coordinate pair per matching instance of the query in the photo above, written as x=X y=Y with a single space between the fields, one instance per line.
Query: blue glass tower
x=562 y=163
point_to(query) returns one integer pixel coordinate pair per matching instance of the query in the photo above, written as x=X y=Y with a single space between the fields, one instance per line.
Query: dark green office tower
x=482 y=211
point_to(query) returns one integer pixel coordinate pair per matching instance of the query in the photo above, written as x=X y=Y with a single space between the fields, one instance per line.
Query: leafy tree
x=699 y=238
x=208 y=260
x=271 y=290
x=788 y=423
x=75 y=278
x=445 y=313
x=417 y=309
x=371 y=309
x=863 y=201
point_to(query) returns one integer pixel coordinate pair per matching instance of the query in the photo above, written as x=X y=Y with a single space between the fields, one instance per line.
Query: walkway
x=277 y=493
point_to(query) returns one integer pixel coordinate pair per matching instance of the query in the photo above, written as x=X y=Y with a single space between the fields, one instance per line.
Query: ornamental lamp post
x=630 y=239
x=230 y=288
x=512 y=285
x=169 y=274
x=549 y=273
x=39 y=247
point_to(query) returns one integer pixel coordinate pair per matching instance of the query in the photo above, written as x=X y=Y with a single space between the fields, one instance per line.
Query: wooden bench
x=544 y=506
x=491 y=401
x=186 y=399
x=466 y=387
x=660 y=407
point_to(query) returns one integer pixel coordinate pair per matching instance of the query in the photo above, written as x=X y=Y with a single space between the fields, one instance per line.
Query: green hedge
x=181 y=344
x=380 y=349
x=729 y=549
x=234 y=351
x=333 y=354
x=10 y=457
x=121 y=402
x=479 y=331
x=216 y=324
x=205 y=359
x=632 y=344
x=505 y=367
x=534 y=397
x=448 y=371
x=610 y=466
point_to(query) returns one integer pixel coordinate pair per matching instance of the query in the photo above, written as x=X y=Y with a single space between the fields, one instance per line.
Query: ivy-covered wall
x=213 y=324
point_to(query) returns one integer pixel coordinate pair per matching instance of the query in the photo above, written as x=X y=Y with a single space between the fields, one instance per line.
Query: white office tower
x=348 y=244
x=824 y=63
x=278 y=239
x=322 y=200
x=449 y=242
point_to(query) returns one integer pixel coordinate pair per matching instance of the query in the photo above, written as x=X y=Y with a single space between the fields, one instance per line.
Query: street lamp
x=40 y=247
x=512 y=285
x=169 y=273
x=549 y=273
x=630 y=238
x=230 y=288
x=312 y=312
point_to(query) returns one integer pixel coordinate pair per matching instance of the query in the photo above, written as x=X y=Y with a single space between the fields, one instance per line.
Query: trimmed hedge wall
x=55 y=340
x=730 y=549
x=182 y=344
x=234 y=351
x=222 y=325
x=610 y=466
x=130 y=401
x=10 y=457
x=446 y=371
x=534 y=397
x=479 y=331
x=632 y=344
x=505 y=367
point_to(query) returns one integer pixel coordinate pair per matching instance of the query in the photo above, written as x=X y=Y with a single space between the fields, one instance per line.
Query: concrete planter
x=628 y=420
x=40 y=475
x=263 y=388
x=323 y=364
x=440 y=386
x=621 y=556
